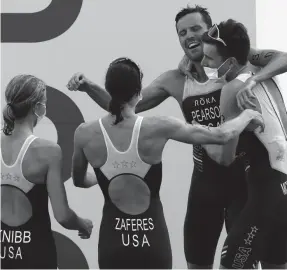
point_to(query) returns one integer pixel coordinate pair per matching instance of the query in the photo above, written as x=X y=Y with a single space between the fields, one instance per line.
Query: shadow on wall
x=69 y=255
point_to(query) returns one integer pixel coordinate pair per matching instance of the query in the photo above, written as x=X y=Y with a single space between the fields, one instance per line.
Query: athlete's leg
x=239 y=251
x=260 y=232
x=275 y=252
x=204 y=219
x=236 y=184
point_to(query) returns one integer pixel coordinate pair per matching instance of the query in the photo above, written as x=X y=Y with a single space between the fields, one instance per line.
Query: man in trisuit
x=259 y=233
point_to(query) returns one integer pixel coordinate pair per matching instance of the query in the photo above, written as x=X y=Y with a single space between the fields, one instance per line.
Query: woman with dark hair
x=125 y=151
x=30 y=173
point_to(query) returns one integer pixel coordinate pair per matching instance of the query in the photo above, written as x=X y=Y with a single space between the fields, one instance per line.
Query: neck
x=23 y=127
x=128 y=111
x=198 y=72
x=234 y=72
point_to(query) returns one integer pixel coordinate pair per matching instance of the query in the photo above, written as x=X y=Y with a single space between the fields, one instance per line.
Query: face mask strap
x=40 y=117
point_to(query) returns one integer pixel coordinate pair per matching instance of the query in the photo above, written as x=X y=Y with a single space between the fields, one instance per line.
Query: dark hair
x=197 y=9
x=123 y=82
x=22 y=93
x=235 y=35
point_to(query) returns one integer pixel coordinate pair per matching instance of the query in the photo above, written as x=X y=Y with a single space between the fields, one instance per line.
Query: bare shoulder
x=174 y=74
x=172 y=81
x=46 y=150
x=161 y=124
x=231 y=87
x=86 y=131
x=169 y=76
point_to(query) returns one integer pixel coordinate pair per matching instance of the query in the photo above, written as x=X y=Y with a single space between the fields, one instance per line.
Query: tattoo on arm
x=255 y=57
x=269 y=54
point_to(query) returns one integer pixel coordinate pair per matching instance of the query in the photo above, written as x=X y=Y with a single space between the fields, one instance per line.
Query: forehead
x=191 y=20
x=210 y=50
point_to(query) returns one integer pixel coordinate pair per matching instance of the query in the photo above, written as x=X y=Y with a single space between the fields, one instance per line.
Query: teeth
x=191 y=45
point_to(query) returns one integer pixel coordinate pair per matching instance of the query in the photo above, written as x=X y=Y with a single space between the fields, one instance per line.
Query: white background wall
x=145 y=32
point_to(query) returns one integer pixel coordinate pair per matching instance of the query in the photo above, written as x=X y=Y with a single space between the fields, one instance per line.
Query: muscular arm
x=226 y=154
x=272 y=62
x=197 y=134
x=153 y=95
x=80 y=176
x=56 y=190
x=97 y=94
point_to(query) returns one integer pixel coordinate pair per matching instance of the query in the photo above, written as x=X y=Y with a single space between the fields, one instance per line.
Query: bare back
x=35 y=161
x=151 y=139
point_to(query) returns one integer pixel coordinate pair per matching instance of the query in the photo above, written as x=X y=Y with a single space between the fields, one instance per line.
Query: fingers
x=239 y=102
x=244 y=100
x=75 y=82
x=84 y=235
x=248 y=97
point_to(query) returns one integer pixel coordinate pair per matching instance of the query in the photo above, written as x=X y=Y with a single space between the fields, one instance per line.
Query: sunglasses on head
x=214 y=34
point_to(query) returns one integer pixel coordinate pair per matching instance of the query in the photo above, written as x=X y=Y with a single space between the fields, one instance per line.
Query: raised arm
x=197 y=134
x=153 y=95
x=81 y=177
x=58 y=197
x=272 y=63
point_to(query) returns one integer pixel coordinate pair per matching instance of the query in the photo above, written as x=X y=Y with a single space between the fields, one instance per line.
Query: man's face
x=190 y=29
x=211 y=57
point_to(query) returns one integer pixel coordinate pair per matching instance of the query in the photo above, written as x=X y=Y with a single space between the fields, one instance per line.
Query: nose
x=189 y=34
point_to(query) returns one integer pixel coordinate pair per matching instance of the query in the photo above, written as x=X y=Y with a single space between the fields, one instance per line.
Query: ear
x=233 y=61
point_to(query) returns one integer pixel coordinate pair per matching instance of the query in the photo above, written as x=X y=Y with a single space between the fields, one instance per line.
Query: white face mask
x=215 y=71
x=211 y=73
x=40 y=117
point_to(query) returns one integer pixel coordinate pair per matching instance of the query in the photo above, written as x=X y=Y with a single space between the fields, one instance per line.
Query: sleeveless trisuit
x=133 y=231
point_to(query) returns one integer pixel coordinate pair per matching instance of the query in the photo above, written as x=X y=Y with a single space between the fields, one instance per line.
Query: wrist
x=79 y=222
x=254 y=79
x=249 y=113
x=87 y=86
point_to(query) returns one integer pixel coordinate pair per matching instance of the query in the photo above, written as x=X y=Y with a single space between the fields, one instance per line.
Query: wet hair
x=22 y=94
x=235 y=35
x=123 y=82
x=196 y=9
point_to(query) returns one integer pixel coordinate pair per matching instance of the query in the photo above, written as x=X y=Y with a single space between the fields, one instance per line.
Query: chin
x=196 y=57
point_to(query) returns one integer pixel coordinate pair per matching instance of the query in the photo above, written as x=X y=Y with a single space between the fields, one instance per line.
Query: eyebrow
x=192 y=26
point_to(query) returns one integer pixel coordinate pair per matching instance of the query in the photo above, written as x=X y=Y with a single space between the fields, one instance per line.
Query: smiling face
x=190 y=28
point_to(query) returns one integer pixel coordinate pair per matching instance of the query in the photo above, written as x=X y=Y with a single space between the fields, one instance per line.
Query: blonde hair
x=22 y=93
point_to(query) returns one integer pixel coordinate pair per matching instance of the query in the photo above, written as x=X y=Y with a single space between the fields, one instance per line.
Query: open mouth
x=192 y=45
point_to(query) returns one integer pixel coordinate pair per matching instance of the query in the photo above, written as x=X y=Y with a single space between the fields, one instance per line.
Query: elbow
x=225 y=162
x=282 y=57
x=226 y=158
x=78 y=184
